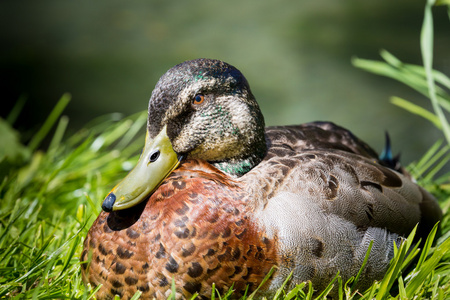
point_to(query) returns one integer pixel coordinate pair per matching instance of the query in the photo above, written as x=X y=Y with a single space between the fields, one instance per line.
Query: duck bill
x=157 y=161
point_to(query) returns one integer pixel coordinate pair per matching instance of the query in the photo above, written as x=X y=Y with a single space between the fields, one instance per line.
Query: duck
x=218 y=199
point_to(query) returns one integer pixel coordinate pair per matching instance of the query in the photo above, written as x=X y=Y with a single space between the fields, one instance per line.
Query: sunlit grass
x=49 y=201
x=49 y=198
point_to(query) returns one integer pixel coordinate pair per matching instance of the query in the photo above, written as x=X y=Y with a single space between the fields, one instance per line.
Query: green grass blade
x=401 y=288
x=442 y=163
x=70 y=255
x=417 y=110
x=48 y=124
x=427 y=246
x=417 y=281
x=281 y=288
x=329 y=287
x=298 y=289
x=59 y=133
x=310 y=293
x=411 y=75
x=429 y=155
x=133 y=131
x=173 y=290
x=435 y=291
x=213 y=291
x=440 y=77
x=340 y=288
x=426 y=45
x=366 y=258
x=15 y=111
x=395 y=267
x=266 y=278
x=136 y=296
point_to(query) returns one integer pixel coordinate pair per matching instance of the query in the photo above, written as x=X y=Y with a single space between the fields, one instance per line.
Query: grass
x=49 y=198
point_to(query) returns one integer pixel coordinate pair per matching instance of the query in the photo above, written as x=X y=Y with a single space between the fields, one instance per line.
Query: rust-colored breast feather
x=195 y=229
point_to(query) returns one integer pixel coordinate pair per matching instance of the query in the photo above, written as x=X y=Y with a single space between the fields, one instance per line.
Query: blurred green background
x=295 y=54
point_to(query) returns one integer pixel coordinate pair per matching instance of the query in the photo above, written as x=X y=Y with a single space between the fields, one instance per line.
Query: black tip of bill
x=108 y=203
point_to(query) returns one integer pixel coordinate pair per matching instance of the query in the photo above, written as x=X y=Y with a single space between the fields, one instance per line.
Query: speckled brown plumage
x=196 y=229
x=307 y=199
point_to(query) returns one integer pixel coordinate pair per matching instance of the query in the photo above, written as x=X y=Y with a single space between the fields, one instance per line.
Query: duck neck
x=241 y=165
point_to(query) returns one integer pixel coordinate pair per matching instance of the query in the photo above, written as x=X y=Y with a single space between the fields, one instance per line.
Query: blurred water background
x=296 y=55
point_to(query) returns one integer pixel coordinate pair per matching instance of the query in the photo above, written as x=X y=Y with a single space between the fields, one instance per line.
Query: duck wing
x=343 y=176
x=324 y=197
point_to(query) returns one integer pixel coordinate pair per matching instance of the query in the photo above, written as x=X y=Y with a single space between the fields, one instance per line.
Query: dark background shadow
x=295 y=54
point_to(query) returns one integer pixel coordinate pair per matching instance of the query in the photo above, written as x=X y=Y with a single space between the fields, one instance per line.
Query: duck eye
x=154 y=156
x=198 y=99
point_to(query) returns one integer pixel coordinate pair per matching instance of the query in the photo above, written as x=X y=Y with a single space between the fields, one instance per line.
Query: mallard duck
x=216 y=197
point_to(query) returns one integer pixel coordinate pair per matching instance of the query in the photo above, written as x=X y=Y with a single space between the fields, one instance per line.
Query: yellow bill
x=157 y=161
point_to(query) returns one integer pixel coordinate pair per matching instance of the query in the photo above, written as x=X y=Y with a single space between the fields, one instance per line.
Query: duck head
x=201 y=109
